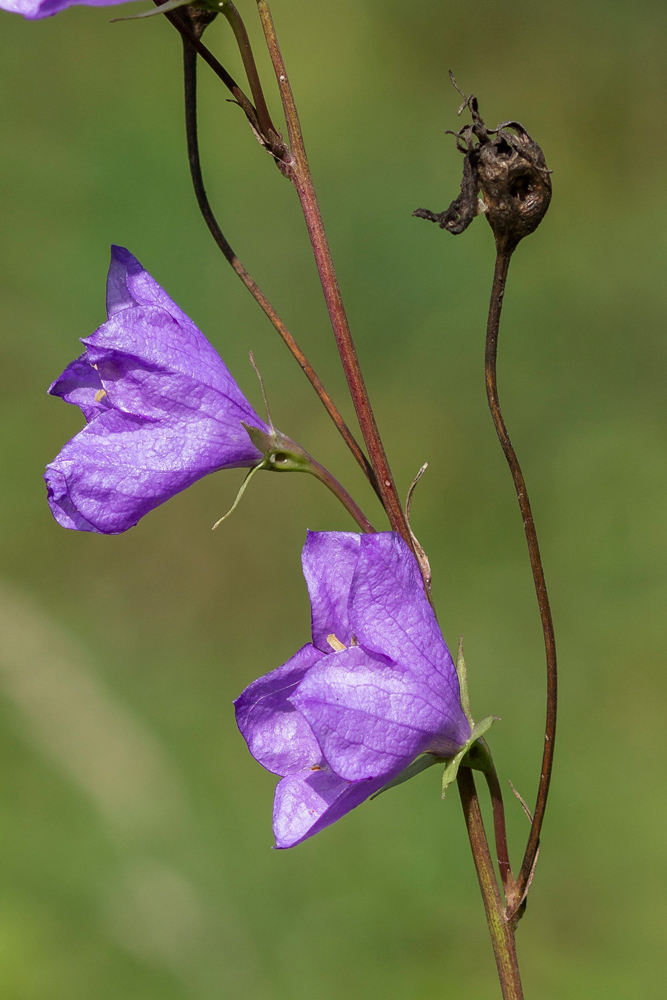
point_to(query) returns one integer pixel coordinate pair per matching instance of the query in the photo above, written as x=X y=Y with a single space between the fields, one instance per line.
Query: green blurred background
x=134 y=826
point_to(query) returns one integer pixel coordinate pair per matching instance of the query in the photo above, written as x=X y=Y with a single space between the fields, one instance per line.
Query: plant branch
x=180 y=20
x=238 y=27
x=190 y=81
x=353 y=509
x=501 y=927
x=488 y=768
x=297 y=169
x=503 y=257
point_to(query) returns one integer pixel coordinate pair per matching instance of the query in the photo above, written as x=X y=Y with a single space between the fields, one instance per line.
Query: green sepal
x=453 y=764
x=478 y=757
x=418 y=765
x=240 y=493
x=462 y=674
x=281 y=454
x=164 y=9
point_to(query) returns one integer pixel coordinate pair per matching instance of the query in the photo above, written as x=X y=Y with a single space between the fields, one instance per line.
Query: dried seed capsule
x=505 y=176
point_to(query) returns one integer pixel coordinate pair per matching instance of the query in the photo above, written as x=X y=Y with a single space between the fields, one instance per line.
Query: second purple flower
x=376 y=687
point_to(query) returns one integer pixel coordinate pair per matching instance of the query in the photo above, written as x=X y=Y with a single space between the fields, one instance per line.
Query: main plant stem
x=501 y=927
x=503 y=257
x=299 y=172
x=191 y=130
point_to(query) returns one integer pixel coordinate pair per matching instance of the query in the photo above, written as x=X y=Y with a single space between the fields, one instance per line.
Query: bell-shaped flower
x=162 y=410
x=35 y=9
x=376 y=687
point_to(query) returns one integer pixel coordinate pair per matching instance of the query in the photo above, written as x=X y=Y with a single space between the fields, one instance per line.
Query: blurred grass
x=162 y=627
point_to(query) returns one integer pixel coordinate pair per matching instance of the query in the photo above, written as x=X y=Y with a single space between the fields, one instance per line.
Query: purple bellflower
x=35 y=9
x=376 y=687
x=162 y=410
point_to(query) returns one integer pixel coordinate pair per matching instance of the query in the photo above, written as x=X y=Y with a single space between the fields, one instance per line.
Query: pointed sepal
x=463 y=682
x=452 y=765
x=162 y=9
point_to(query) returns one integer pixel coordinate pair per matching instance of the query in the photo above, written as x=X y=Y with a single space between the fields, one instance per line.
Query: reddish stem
x=298 y=170
x=504 y=255
x=190 y=79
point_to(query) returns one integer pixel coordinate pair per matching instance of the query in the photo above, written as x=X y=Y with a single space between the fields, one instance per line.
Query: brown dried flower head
x=505 y=176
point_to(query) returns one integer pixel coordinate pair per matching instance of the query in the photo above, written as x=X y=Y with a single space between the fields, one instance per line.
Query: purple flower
x=161 y=408
x=34 y=9
x=374 y=689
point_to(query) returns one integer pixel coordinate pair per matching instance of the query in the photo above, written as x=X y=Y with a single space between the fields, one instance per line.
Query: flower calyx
x=281 y=453
x=475 y=754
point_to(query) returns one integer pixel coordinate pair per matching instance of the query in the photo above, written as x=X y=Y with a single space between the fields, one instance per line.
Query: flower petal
x=145 y=324
x=390 y=615
x=308 y=801
x=329 y=559
x=62 y=507
x=277 y=735
x=81 y=385
x=129 y=285
x=372 y=719
x=119 y=467
x=136 y=371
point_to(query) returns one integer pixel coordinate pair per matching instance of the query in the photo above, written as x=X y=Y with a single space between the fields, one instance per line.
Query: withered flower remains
x=505 y=177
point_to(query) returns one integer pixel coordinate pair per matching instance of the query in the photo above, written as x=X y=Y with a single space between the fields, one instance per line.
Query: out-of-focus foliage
x=134 y=827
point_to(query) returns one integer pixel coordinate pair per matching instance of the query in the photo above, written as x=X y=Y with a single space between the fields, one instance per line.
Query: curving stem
x=181 y=21
x=484 y=763
x=339 y=491
x=190 y=81
x=503 y=258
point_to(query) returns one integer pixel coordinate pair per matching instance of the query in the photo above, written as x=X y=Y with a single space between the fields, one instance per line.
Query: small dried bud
x=505 y=177
x=199 y=17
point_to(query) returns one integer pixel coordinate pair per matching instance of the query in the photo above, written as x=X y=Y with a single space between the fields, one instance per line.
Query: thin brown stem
x=190 y=81
x=501 y=928
x=298 y=170
x=179 y=19
x=238 y=27
x=499 y=826
x=341 y=494
x=503 y=257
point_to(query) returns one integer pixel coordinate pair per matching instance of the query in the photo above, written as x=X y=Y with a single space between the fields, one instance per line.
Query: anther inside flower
x=162 y=410
x=376 y=687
